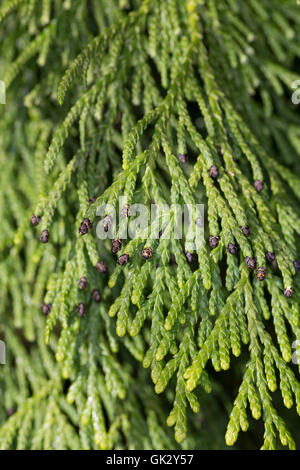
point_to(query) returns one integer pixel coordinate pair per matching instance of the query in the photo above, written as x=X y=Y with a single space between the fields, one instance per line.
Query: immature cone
x=232 y=249
x=35 y=220
x=182 y=158
x=82 y=283
x=189 y=257
x=88 y=223
x=147 y=253
x=101 y=267
x=92 y=200
x=80 y=309
x=123 y=259
x=85 y=226
x=44 y=236
x=125 y=210
x=259 y=185
x=213 y=172
x=116 y=245
x=288 y=292
x=213 y=241
x=10 y=411
x=261 y=273
x=83 y=229
x=250 y=262
x=199 y=222
x=270 y=256
x=46 y=309
x=246 y=230
x=107 y=223
x=96 y=296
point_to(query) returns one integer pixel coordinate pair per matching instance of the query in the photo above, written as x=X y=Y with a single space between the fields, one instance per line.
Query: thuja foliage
x=173 y=102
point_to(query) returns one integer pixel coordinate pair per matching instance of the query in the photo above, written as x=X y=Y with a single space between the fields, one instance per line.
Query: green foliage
x=102 y=97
